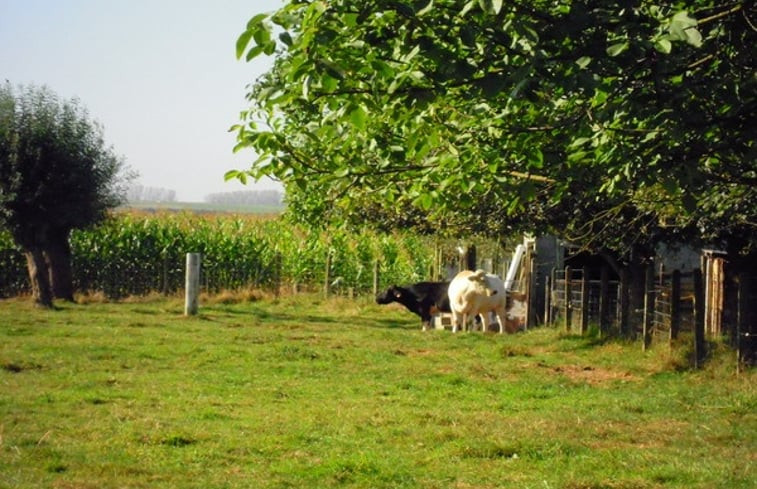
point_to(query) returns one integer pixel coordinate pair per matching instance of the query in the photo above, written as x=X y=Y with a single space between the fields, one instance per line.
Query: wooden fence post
x=584 y=301
x=529 y=286
x=745 y=323
x=675 y=304
x=376 y=271
x=327 y=275
x=699 y=300
x=548 y=300
x=277 y=274
x=470 y=258
x=567 y=306
x=192 y=284
x=624 y=304
x=164 y=284
x=604 y=301
x=649 y=308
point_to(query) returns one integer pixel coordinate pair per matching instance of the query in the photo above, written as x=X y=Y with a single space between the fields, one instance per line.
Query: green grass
x=301 y=392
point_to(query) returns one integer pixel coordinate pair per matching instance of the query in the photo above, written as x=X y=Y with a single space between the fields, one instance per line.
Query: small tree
x=56 y=174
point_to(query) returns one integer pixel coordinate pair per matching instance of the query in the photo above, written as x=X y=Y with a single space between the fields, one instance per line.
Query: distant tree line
x=141 y=193
x=246 y=197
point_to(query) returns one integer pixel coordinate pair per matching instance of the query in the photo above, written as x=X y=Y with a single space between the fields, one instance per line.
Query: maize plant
x=134 y=254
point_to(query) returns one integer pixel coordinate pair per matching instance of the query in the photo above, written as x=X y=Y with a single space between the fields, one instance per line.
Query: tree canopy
x=614 y=124
x=56 y=174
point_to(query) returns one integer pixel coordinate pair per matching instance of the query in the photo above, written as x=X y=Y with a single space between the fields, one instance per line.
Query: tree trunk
x=41 y=292
x=58 y=257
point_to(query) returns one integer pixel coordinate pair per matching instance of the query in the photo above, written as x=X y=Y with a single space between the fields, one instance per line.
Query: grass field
x=300 y=392
x=202 y=207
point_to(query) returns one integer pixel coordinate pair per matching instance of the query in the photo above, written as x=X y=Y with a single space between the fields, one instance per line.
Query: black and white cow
x=423 y=298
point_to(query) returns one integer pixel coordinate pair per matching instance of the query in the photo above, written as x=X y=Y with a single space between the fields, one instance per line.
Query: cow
x=477 y=293
x=423 y=298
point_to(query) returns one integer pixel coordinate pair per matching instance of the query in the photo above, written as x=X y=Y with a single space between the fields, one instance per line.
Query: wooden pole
x=567 y=306
x=376 y=271
x=529 y=288
x=649 y=307
x=675 y=304
x=699 y=299
x=277 y=260
x=584 y=301
x=745 y=322
x=624 y=300
x=470 y=258
x=327 y=275
x=718 y=290
x=604 y=301
x=548 y=299
x=192 y=284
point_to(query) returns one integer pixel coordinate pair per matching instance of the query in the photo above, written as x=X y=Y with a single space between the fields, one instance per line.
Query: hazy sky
x=161 y=76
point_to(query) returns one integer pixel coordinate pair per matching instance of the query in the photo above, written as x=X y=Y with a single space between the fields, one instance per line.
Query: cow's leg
x=467 y=320
x=455 y=320
x=485 y=321
x=425 y=321
x=501 y=318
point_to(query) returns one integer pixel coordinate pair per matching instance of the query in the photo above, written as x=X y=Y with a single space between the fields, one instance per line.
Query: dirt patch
x=589 y=374
x=413 y=353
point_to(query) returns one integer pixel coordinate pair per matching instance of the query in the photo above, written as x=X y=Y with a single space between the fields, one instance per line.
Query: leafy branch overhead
x=498 y=116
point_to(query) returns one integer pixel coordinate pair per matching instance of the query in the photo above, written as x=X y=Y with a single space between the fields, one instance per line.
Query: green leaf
x=331 y=69
x=664 y=46
x=583 y=61
x=694 y=37
x=230 y=175
x=257 y=20
x=424 y=10
x=535 y=158
x=468 y=6
x=683 y=28
x=497 y=6
x=306 y=87
x=424 y=201
x=243 y=41
x=286 y=38
x=252 y=53
x=579 y=142
x=617 y=49
x=329 y=83
x=358 y=117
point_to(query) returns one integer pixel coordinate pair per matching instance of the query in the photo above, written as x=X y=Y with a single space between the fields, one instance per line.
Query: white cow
x=476 y=293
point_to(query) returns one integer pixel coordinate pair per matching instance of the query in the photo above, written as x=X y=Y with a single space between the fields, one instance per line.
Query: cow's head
x=392 y=294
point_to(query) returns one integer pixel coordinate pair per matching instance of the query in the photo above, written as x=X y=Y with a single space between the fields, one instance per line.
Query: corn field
x=134 y=254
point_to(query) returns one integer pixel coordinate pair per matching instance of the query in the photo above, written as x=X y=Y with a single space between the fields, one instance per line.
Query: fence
x=671 y=303
x=590 y=301
x=674 y=305
x=135 y=255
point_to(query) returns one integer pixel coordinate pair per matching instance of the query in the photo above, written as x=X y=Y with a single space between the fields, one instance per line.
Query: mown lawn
x=301 y=392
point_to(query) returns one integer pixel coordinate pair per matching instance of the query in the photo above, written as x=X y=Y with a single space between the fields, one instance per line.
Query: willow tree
x=615 y=124
x=56 y=174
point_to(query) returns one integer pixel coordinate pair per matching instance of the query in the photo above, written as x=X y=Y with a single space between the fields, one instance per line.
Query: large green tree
x=56 y=174
x=615 y=124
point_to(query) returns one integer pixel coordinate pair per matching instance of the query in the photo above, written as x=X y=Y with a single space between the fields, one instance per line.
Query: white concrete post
x=192 y=284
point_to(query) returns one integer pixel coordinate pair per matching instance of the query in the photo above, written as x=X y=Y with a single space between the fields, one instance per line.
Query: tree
x=56 y=174
x=615 y=124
